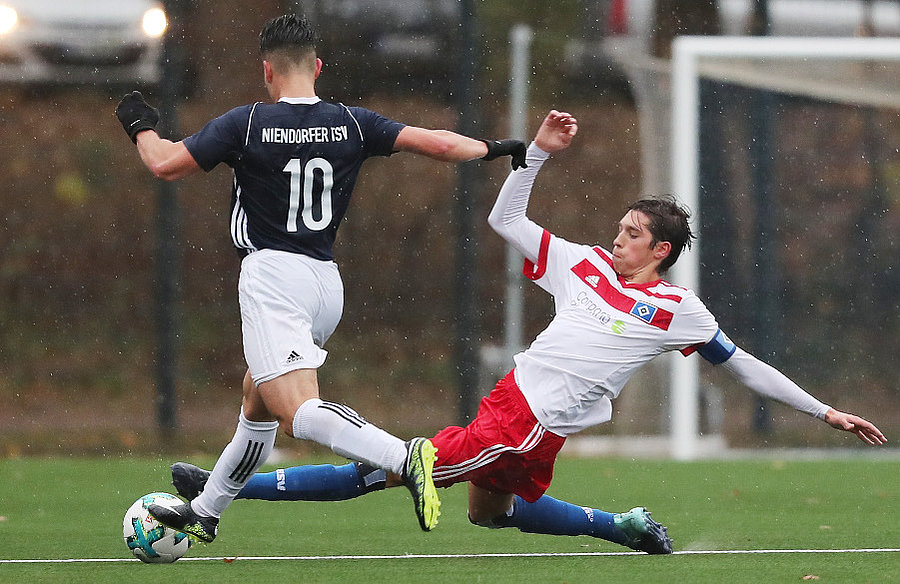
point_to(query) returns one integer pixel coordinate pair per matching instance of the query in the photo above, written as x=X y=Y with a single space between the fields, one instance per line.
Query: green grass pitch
x=71 y=508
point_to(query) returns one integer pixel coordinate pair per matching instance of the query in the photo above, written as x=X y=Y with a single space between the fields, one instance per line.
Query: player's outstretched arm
x=556 y=131
x=166 y=159
x=508 y=216
x=449 y=146
x=769 y=382
x=864 y=429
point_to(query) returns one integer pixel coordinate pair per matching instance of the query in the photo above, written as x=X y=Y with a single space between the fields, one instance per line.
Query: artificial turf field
x=72 y=508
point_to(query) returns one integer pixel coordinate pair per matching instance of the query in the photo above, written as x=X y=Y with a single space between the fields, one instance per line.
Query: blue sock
x=554 y=517
x=323 y=482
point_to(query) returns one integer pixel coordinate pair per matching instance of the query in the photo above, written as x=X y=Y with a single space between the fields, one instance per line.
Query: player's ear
x=267 y=71
x=662 y=250
x=318 y=67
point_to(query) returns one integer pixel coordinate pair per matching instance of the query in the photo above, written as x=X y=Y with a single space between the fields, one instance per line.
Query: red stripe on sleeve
x=536 y=272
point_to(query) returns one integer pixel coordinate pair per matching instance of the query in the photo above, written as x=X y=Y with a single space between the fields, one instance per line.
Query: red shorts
x=505 y=449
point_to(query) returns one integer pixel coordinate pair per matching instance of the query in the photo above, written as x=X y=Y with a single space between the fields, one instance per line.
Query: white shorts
x=290 y=305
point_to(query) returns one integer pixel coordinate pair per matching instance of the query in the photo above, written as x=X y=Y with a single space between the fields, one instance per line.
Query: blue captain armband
x=718 y=350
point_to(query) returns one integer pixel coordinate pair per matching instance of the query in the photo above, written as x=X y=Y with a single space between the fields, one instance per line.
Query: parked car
x=613 y=32
x=383 y=43
x=80 y=42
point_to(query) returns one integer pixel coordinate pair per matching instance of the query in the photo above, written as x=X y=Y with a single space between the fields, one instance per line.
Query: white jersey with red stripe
x=604 y=330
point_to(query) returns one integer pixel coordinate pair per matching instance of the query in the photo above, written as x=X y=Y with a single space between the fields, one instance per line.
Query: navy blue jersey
x=295 y=165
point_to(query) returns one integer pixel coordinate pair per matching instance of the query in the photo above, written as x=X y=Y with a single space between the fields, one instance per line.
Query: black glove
x=136 y=115
x=514 y=148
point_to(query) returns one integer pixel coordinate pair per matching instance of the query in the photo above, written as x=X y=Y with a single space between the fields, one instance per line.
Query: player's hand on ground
x=514 y=148
x=136 y=115
x=556 y=131
x=864 y=429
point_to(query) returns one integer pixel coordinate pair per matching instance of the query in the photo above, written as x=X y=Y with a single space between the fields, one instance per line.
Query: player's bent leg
x=331 y=424
x=643 y=533
x=349 y=435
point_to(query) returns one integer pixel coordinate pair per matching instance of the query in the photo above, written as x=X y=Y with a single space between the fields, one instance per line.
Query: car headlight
x=8 y=19
x=154 y=23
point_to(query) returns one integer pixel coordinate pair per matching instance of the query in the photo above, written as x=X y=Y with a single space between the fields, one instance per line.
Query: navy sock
x=554 y=517
x=323 y=482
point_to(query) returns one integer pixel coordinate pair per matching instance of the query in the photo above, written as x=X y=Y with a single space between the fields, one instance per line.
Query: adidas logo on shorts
x=293 y=357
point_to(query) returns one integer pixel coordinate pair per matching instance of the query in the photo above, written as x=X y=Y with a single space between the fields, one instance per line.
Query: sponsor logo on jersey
x=293 y=358
x=585 y=303
x=280 y=480
x=644 y=311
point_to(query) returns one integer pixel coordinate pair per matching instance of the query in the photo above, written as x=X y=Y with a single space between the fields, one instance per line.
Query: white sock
x=349 y=435
x=248 y=450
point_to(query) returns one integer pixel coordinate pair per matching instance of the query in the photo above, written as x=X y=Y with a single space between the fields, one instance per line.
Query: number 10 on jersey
x=302 y=182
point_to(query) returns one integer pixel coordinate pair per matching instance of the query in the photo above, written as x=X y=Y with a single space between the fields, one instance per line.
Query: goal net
x=785 y=149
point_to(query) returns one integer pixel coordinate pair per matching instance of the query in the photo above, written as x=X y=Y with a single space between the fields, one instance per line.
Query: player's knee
x=287 y=426
x=253 y=407
x=287 y=421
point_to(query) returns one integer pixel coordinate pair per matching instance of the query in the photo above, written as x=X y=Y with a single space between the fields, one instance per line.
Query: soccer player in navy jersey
x=295 y=163
x=613 y=313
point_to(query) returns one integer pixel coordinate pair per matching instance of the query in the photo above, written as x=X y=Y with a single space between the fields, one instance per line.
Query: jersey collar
x=607 y=257
x=300 y=100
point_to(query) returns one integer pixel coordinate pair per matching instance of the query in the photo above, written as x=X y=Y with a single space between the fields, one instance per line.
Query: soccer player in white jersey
x=613 y=313
x=295 y=163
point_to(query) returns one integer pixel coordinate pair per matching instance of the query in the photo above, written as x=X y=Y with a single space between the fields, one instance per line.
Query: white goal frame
x=687 y=53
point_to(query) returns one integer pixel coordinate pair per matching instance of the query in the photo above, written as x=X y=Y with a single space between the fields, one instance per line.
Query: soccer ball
x=147 y=539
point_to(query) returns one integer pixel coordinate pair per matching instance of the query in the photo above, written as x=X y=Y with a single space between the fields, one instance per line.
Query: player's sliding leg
x=321 y=482
x=554 y=517
x=245 y=454
x=551 y=516
x=547 y=515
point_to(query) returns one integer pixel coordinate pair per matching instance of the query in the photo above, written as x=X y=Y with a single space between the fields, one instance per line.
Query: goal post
x=694 y=58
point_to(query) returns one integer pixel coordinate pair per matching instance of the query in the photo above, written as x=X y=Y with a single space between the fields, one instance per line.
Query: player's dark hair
x=668 y=222
x=290 y=35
